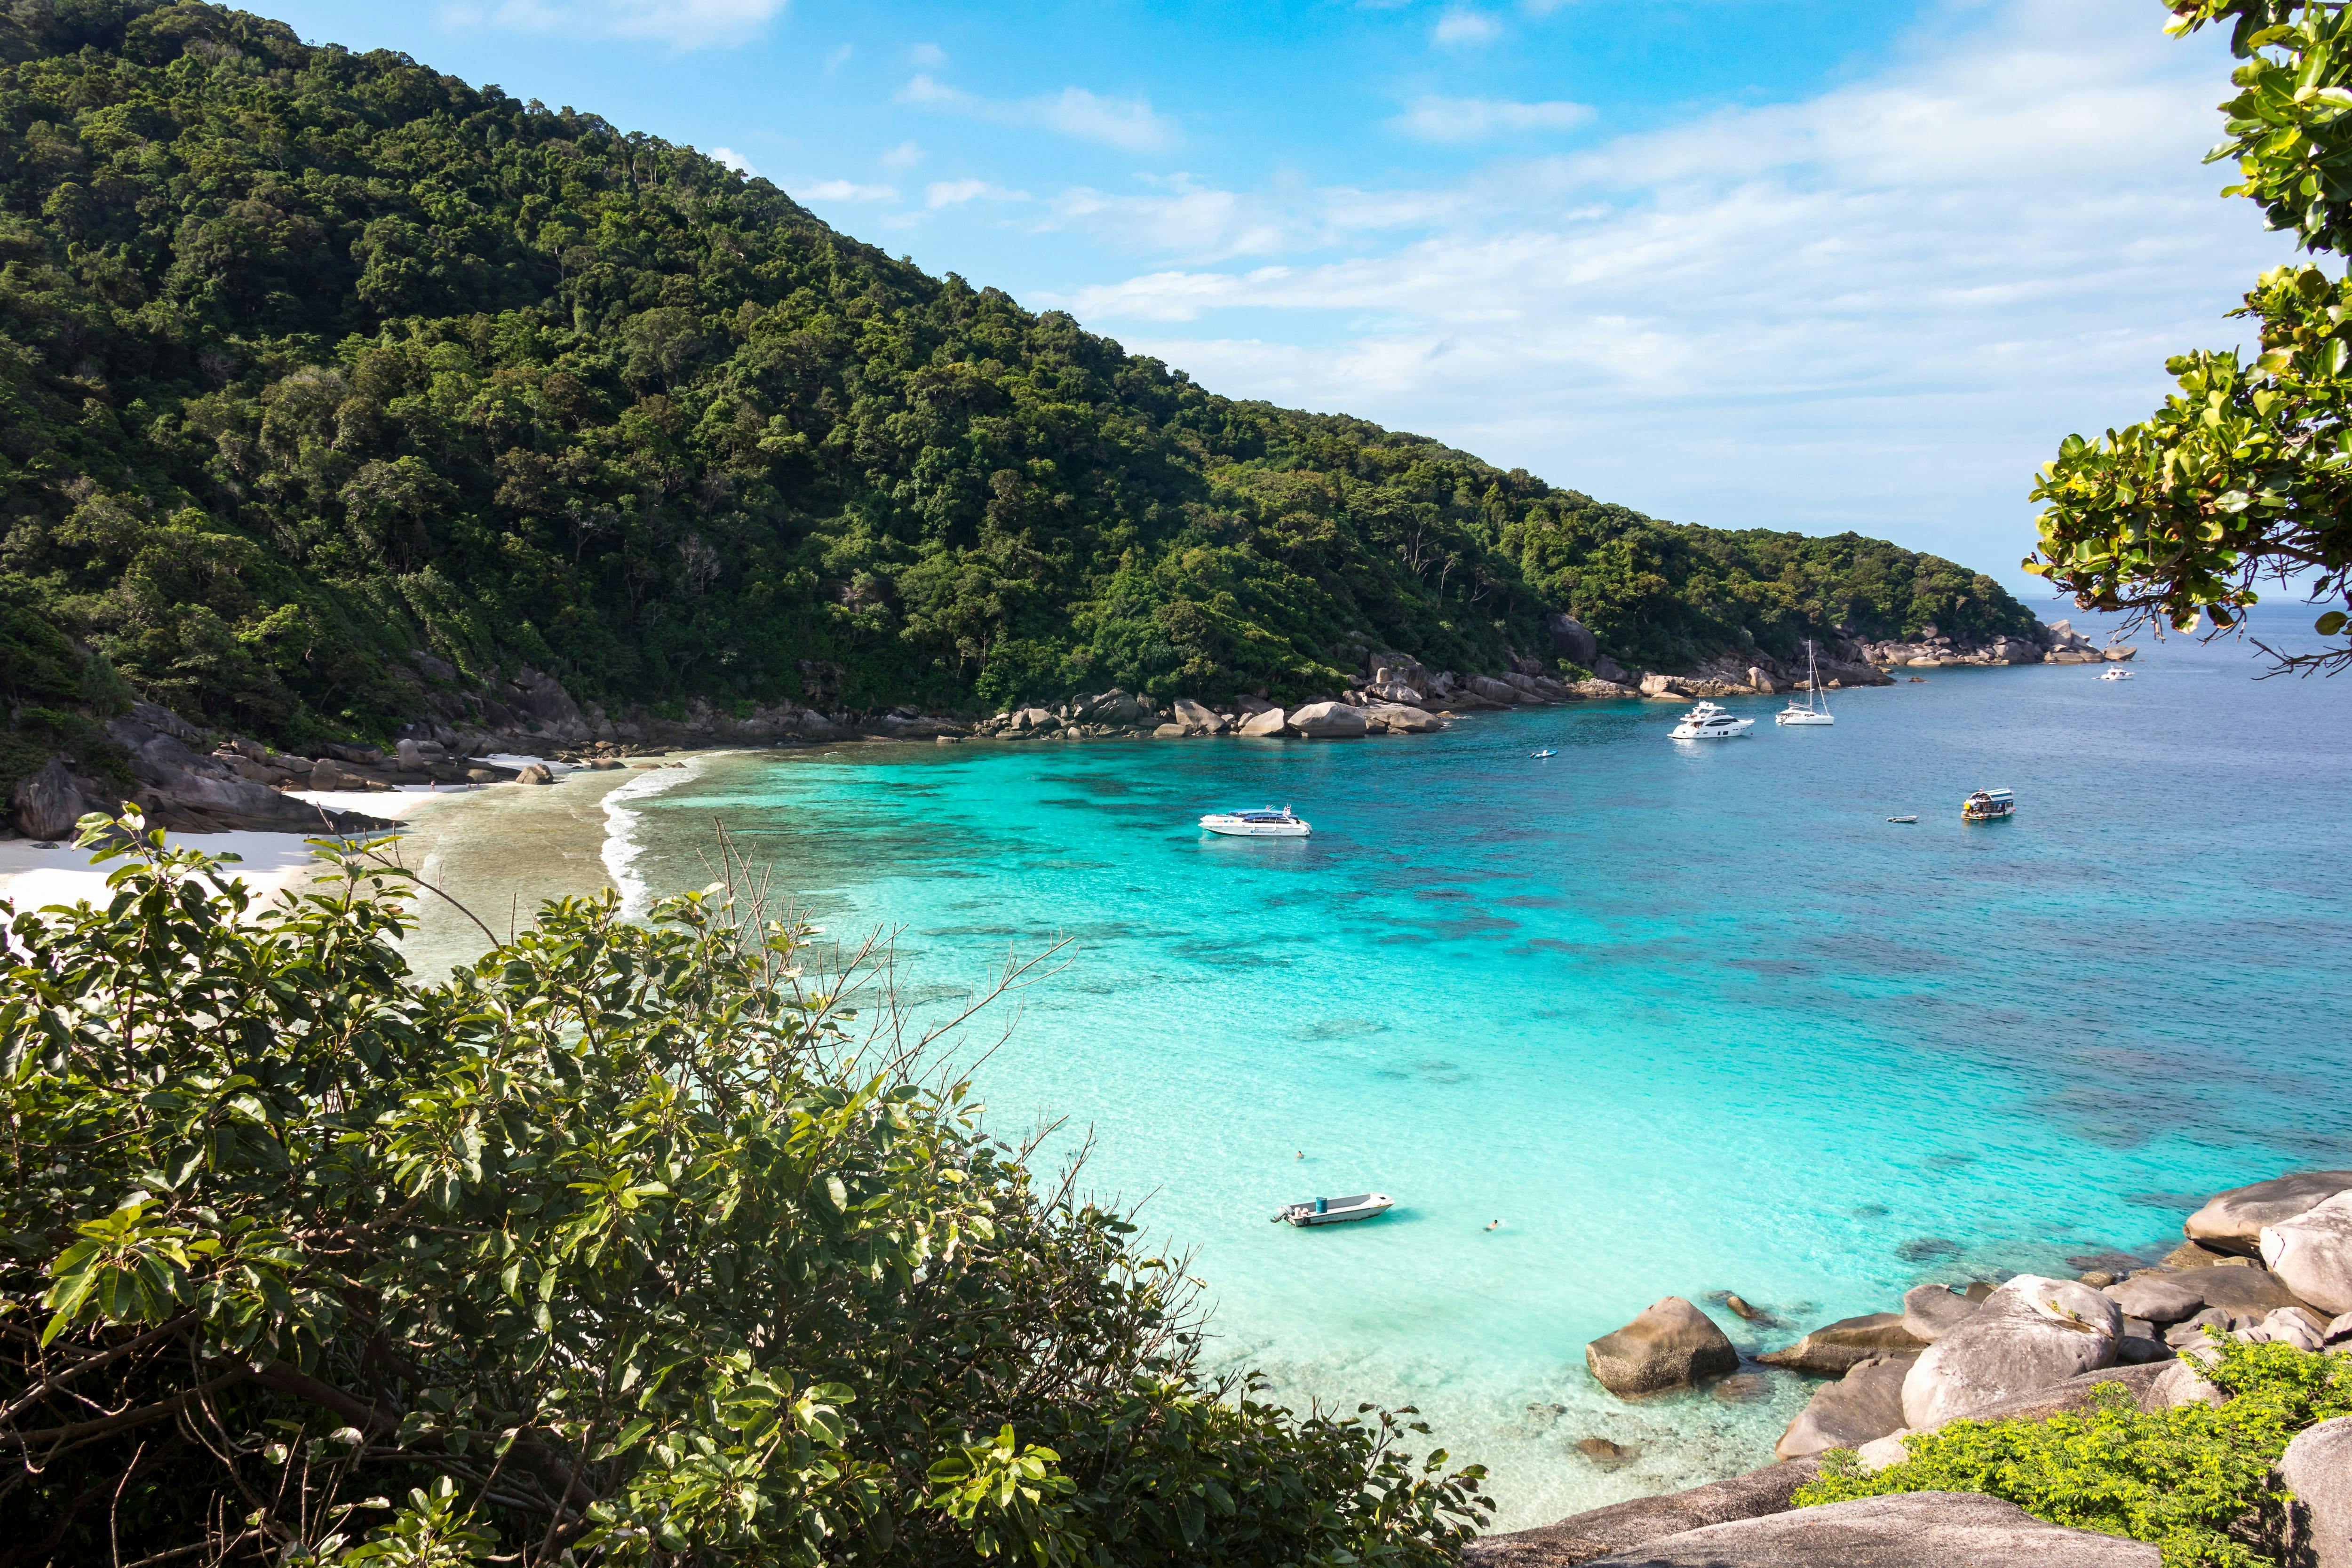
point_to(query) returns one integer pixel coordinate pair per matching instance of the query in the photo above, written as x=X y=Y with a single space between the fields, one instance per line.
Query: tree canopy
x=2245 y=473
x=310 y=358
x=628 y=1244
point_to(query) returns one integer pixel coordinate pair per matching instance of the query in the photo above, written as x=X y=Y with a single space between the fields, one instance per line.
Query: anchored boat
x=1336 y=1211
x=1708 y=722
x=1263 y=823
x=1988 y=805
x=1815 y=709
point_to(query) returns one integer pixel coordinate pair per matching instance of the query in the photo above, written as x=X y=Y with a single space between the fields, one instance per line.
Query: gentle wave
x=622 y=847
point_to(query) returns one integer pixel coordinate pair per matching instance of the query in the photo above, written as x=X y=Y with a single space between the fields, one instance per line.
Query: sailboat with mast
x=1815 y=709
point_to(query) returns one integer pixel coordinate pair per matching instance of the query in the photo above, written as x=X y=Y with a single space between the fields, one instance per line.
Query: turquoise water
x=1685 y=1018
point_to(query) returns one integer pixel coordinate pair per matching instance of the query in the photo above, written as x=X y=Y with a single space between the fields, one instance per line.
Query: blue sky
x=1741 y=262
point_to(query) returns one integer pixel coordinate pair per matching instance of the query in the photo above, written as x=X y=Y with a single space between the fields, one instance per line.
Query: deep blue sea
x=1685 y=1018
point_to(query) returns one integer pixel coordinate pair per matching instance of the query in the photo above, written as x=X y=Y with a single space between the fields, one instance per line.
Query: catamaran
x=1263 y=823
x=1816 y=706
x=1708 y=722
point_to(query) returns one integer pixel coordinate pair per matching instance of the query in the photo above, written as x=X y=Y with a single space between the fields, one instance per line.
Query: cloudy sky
x=1819 y=266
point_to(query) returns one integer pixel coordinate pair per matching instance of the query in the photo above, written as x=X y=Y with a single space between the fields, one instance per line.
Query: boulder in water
x=2233 y=1221
x=1931 y=1312
x=1672 y=1345
x=2312 y=1254
x=1835 y=1349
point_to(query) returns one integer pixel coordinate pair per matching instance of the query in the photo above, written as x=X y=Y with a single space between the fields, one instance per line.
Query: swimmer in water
x=1300 y=1156
x=1494 y=1224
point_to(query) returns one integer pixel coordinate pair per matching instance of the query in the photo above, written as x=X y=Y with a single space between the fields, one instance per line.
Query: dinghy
x=1902 y=819
x=1336 y=1211
x=1539 y=756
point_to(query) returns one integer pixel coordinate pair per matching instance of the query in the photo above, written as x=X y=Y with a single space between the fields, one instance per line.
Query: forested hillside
x=309 y=359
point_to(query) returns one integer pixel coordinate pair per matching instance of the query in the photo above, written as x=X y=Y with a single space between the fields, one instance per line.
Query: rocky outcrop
x=1397 y=718
x=1836 y=1349
x=48 y=803
x=2030 y=1333
x=1328 y=720
x=2157 y=1297
x=1866 y=1402
x=1196 y=719
x=2316 y=1472
x=2311 y=1254
x=1672 y=1345
x=190 y=793
x=1583 y=1537
x=1909 y=1529
x=1270 y=722
x=1931 y=1312
x=2233 y=1221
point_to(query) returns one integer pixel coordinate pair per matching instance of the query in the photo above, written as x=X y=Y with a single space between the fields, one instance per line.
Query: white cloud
x=1127 y=123
x=905 y=155
x=735 y=161
x=680 y=24
x=1429 y=118
x=958 y=193
x=930 y=56
x=1879 y=308
x=1459 y=27
x=848 y=191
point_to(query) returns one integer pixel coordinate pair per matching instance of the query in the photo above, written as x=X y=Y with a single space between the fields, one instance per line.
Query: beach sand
x=498 y=849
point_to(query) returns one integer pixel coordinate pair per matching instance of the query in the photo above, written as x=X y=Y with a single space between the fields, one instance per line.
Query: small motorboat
x=1267 y=822
x=1902 y=819
x=1988 y=805
x=1539 y=756
x=1336 y=1211
x=2115 y=672
x=1708 y=722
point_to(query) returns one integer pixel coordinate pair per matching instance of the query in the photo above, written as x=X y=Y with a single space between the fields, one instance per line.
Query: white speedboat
x=2115 y=672
x=1336 y=1211
x=1815 y=709
x=1708 y=722
x=1267 y=822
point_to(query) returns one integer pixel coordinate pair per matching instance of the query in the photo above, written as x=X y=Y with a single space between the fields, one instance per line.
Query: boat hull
x=1344 y=1210
x=1802 y=718
x=1718 y=732
x=1255 y=829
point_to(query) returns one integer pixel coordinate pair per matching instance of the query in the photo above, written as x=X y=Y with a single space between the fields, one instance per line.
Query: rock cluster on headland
x=241 y=784
x=2028 y=1347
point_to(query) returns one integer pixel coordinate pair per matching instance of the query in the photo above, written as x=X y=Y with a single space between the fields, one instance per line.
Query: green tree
x=2245 y=473
x=628 y=1244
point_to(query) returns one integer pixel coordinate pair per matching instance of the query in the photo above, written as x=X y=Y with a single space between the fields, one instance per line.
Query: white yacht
x=1708 y=722
x=1815 y=709
x=2115 y=672
x=1267 y=822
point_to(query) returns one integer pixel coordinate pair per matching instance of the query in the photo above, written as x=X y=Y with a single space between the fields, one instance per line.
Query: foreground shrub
x=2180 y=1478
x=615 y=1248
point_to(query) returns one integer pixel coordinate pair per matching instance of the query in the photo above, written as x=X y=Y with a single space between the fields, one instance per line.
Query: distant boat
x=1816 y=707
x=1708 y=722
x=2115 y=672
x=1988 y=805
x=1902 y=819
x=1336 y=1211
x=1263 y=823
x=1539 y=756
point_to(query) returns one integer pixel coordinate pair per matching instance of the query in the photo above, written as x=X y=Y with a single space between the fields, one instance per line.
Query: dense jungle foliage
x=630 y=1243
x=310 y=358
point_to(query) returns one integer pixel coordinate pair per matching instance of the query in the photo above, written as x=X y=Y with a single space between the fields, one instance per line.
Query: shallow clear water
x=1685 y=1018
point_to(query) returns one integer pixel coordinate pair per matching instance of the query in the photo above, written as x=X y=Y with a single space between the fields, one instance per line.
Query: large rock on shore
x=1910 y=1530
x=1931 y=1312
x=2242 y=1289
x=1866 y=1402
x=1672 y=1345
x=1402 y=719
x=2233 y=1221
x=1195 y=717
x=2317 y=1468
x=2311 y=1254
x=1835 y=1349
x=1328 y=720
x=1581 y=1537
x=2158 y=1298
x=2030 y=1333
x=1270 y=722
x=47 y=805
